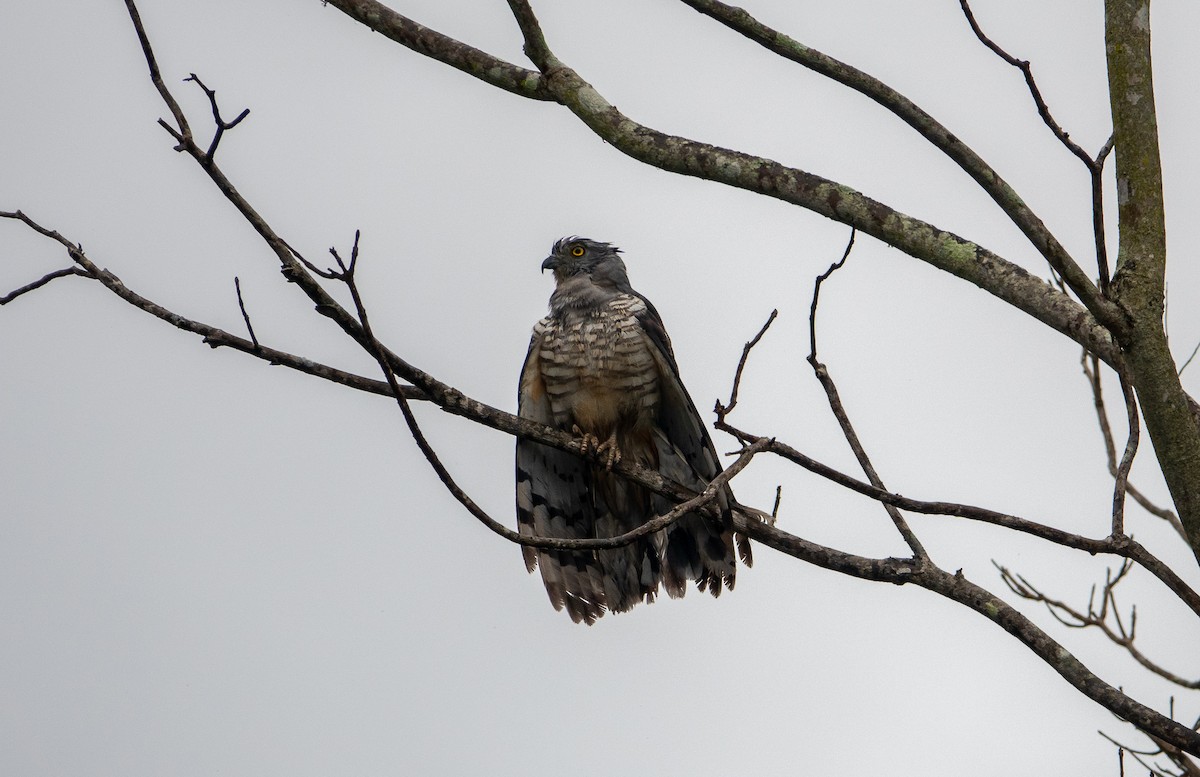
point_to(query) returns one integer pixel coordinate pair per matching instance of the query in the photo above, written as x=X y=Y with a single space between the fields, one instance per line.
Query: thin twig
x=1117 y=632
x=212 y=336
x=1184 y=765
x=1096 y=171
x=843 y=418
x=237 y=284
x=816 y=297
x=1123 y=546
x=949 y=143
x=1189 y=359
x=1095 y=165
x=1027 y=71
x=1121 y=479
x=723 y=410
x=40 y=282
x=1091 y=370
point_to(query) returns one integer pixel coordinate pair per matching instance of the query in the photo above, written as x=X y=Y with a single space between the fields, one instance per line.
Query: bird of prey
x=600 y=366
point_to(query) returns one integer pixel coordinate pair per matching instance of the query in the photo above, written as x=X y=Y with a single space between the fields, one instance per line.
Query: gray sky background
x=212 y=566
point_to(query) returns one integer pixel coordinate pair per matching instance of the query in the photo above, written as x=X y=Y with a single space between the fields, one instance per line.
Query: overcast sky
x=213 y=566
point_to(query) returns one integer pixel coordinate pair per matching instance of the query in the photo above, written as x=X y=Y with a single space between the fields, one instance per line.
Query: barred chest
x=598 y=367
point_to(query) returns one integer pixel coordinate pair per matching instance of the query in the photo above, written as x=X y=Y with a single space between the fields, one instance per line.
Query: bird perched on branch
x=600 y=366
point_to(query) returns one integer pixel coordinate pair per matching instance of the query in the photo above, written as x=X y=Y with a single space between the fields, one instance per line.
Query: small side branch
x=1095 y=165
x=1096 y=171
x=957 y=588
x=237 y=285
x=1027 y=71
x=723 y=410
x=212 y=336
x=40 y=282
x=182 y=132
x=1121 y=478
x=1091 y=370
x=1182 y=764
x=220 y=124
x=1118 y=546
x=935 y=133
x=1189 y=359
x=1105 y=616
x=816 y=297
x=839 y=410
x=492 y=70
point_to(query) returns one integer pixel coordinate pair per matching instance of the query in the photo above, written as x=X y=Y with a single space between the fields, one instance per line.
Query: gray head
x=578 y=261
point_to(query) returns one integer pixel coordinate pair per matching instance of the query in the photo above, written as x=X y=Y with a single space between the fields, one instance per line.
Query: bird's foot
x=589 y=442
x=614 y=451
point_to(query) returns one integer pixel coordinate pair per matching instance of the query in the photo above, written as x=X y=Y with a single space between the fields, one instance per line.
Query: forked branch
x=1105 y=616
x=1095 y=165
x=219 y=124
x=987 y=178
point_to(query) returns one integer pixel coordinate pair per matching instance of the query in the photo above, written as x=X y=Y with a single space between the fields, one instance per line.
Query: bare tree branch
x=1117 y=632
x=1027 y=71
x=237 y=285
x=181 y=129
x=843 y=418
x=220 y=125
x=723 y=410
x=1096 y=170
x=958 y=589
x=919 y=239
x=212 y=336
x=1119 y=545
x=40 y=282
x=421 y=39
x=1183 y=765
x=1091 y=370
x=1121 y=478
x=1095 y=165
x=937 y=135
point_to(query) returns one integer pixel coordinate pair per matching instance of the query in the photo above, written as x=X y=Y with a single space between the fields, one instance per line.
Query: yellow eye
x=577 y=250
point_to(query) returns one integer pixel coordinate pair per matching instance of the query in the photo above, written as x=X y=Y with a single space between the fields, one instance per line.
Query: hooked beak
x=551 y=263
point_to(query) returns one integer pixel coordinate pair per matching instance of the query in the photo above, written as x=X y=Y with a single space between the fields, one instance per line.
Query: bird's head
x=599 y=263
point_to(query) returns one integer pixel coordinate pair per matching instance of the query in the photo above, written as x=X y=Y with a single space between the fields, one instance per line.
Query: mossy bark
x=1139 y=282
